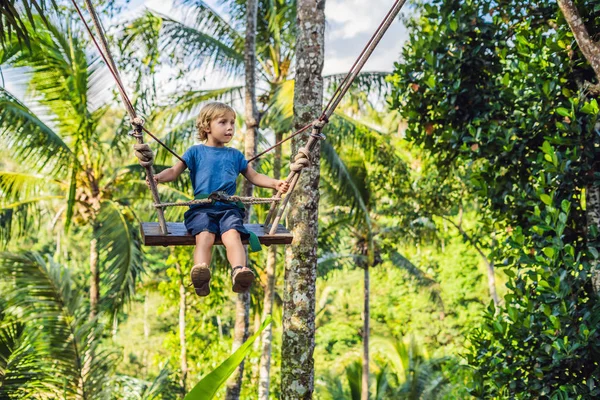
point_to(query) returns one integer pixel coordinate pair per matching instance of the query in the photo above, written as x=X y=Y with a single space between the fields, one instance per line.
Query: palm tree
x=67 y=172
x=46 y=340
x=417 y=375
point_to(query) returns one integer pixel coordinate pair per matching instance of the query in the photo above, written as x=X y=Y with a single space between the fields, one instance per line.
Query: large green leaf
x=121 y=253
x=16 y=17
x=44 y=297
x=208 y=386
x=31 y=141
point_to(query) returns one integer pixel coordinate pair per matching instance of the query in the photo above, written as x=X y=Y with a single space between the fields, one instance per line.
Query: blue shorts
x=216 y=220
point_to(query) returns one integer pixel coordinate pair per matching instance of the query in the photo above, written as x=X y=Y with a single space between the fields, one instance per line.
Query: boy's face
x=222 y=129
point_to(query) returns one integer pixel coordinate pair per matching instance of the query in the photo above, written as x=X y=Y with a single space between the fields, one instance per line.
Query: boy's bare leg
x=200 y=273
x=236 y=254
x=203 y=249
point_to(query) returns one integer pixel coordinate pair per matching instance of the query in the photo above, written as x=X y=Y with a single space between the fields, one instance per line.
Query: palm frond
x=280 y=112
x=421 y=278
x=369 y=82
x=163 y=387
x=31 y=141
x=17 y=18
x=121 y=254
x=15 y=186
x=375 y=147
x=42 y=293
x=62 y=76
x=18 y=219
x=204 y=46
x=209 y=21
x=350 y=185
x=334 y=228
x=22 y=373
x=329 y=386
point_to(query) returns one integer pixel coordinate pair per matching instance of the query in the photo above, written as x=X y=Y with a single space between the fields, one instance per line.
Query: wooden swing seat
x=179 y=236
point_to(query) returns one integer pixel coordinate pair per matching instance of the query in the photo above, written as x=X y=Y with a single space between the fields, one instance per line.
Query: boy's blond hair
x=207 y=114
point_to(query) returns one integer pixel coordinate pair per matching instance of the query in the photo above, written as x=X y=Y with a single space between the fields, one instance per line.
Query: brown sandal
x=200 y=275
x=242 y=278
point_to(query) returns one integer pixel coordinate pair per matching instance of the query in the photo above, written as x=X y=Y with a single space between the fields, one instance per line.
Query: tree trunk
x=591 y=51
x=264 y=378
x=240 y=335
x=593 y=218
x=297 y=365
x=182 y=338
x=365 y=360
x=242 y=316
x=589 y=48
x=94 y=274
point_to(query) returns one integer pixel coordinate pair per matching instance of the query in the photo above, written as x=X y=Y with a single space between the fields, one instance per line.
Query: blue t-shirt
x=214 y=169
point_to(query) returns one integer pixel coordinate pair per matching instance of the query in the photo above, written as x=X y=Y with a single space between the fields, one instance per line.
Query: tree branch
x=589 y=48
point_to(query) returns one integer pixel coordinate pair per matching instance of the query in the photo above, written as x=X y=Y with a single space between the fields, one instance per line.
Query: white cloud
x=348 y=18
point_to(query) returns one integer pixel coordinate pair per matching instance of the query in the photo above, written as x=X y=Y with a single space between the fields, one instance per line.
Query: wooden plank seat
x=179 y=236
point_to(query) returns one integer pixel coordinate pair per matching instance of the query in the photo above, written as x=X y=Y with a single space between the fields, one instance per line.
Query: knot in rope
x=144 y=153
x=138 y=122
x=301 y=160
x=320 y=123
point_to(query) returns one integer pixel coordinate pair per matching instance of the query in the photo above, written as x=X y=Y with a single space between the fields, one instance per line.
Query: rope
x=144 y=153
x=350 y=77
x=106 y=55
x=362 y=59
x=234 y=199
x=299 y=131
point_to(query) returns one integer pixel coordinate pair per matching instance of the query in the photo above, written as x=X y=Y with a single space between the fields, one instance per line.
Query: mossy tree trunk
x=297 y=365
x=591 y=51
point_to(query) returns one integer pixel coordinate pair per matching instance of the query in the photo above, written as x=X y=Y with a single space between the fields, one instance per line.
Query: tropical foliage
x=502 y=94
x=467 y=207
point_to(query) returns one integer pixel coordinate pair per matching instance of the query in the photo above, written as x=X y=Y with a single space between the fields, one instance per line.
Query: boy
x=214 y=167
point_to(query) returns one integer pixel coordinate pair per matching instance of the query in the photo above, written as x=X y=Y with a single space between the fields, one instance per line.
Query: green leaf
x=563 y=112
x=547 y=148
x=590 y=108
x=548 y=251
x=453 y=24
x=71 y=198
x=208 y=386
x=547 y=200
x=431 y=81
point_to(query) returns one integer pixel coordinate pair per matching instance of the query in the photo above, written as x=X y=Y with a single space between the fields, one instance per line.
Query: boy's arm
x=264 y=181
x=170 y=174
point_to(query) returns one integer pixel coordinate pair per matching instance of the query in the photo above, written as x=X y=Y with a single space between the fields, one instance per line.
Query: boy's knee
x=231 y=236
x=205 y=239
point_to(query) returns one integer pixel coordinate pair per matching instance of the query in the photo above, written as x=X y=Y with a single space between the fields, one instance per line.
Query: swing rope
x=302 y=158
